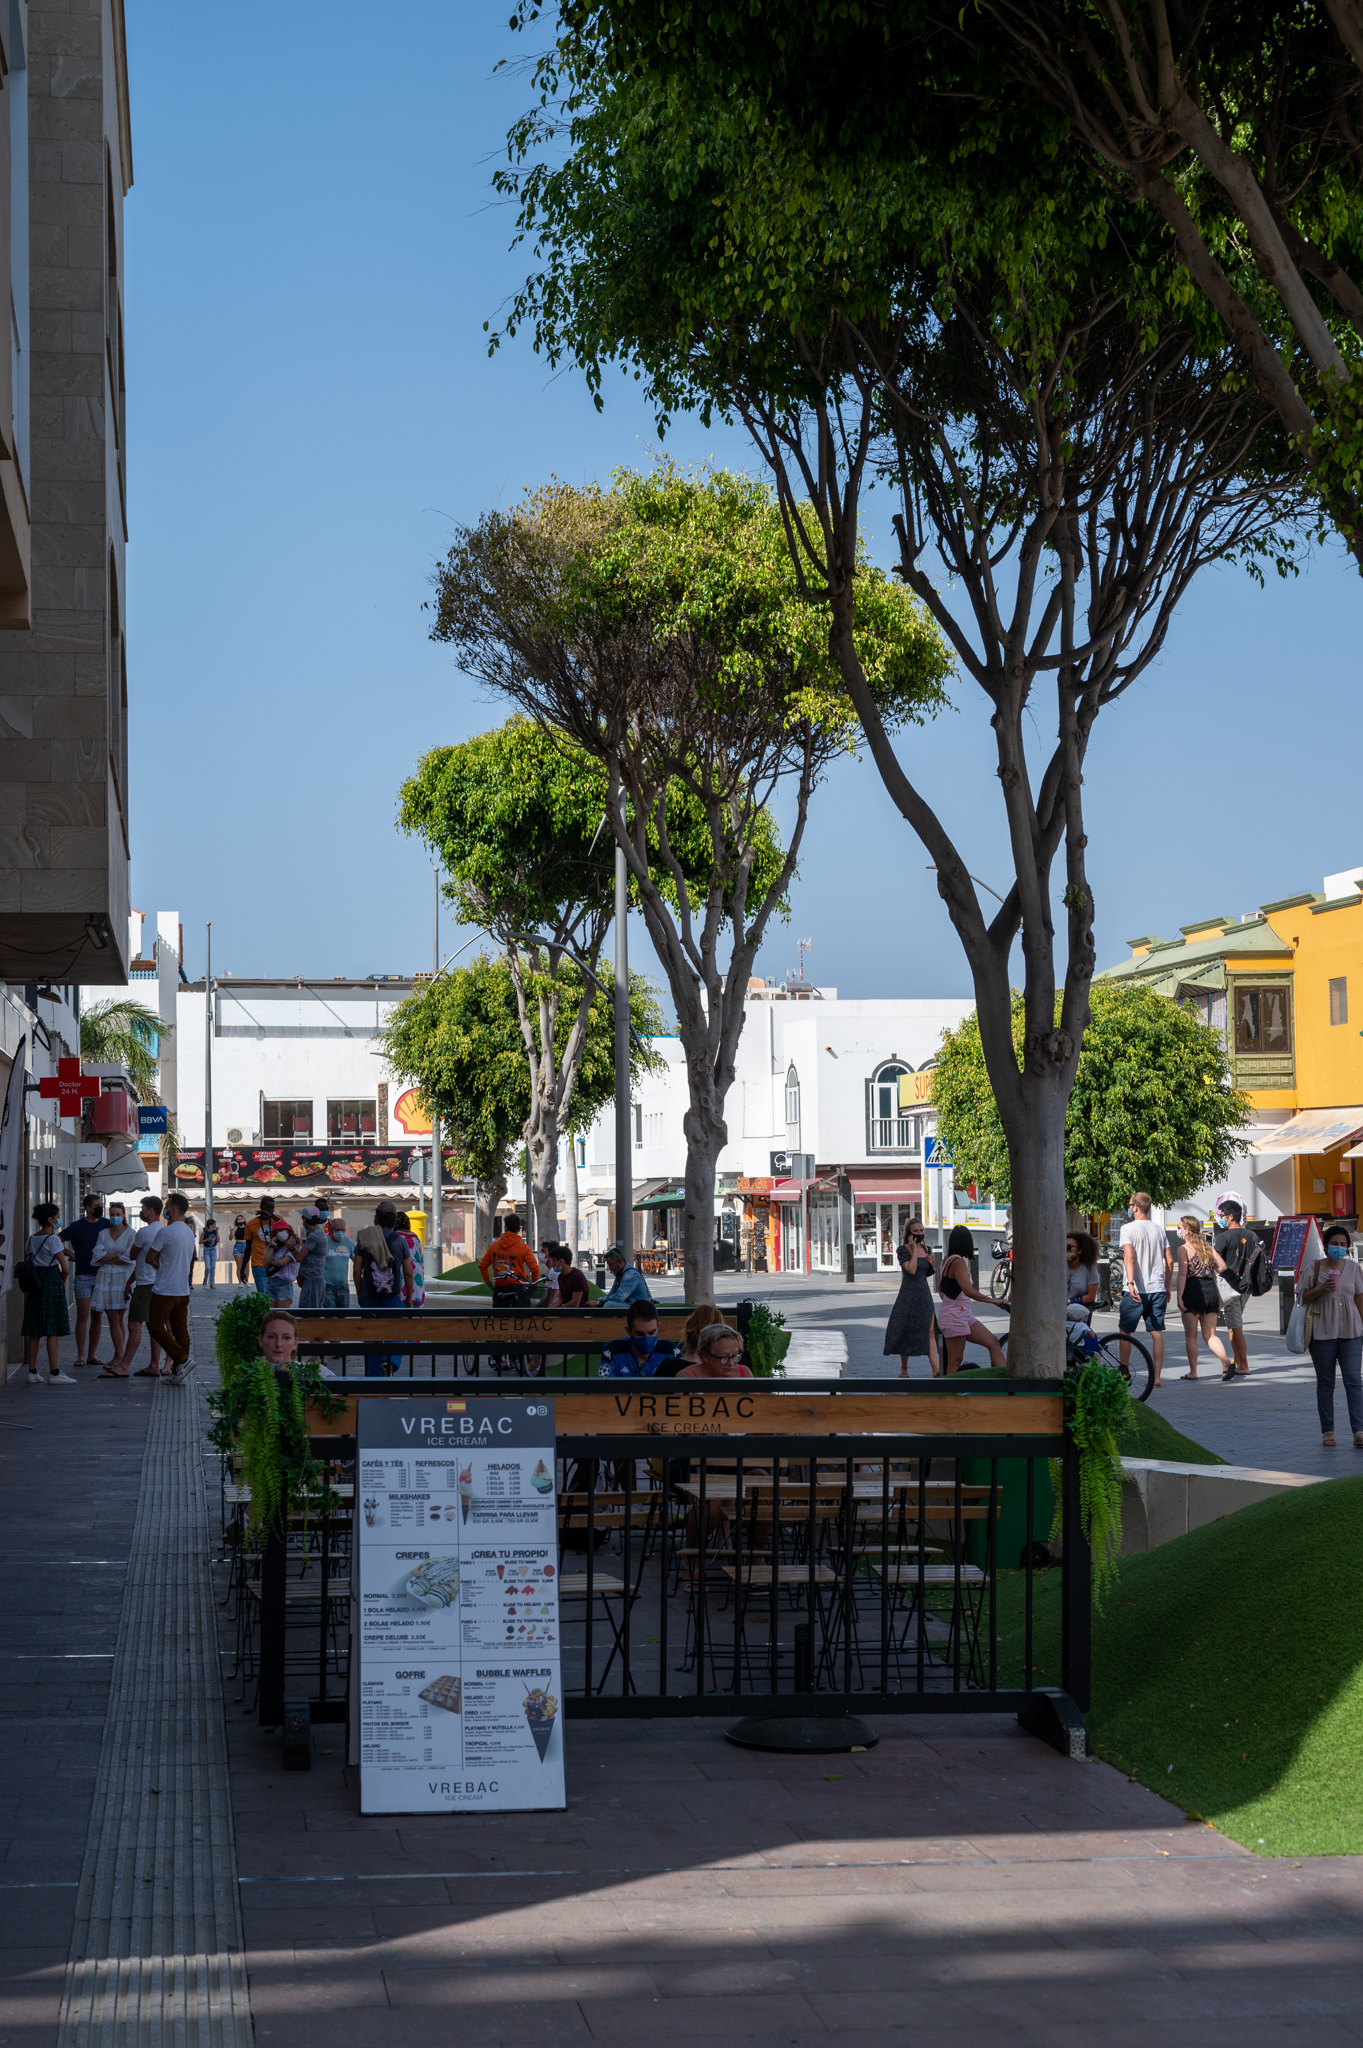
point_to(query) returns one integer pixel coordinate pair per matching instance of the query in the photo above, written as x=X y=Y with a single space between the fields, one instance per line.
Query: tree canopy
x=1152 y=1105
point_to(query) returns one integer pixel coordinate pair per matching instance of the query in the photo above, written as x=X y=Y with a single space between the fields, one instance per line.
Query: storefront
x=883 y=1202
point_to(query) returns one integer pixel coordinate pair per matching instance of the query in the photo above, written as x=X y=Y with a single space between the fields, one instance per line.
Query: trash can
x=1287 y=1297
x=1011 y=1520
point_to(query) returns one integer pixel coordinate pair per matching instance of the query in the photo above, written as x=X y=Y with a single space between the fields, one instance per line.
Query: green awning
x=674 y=1201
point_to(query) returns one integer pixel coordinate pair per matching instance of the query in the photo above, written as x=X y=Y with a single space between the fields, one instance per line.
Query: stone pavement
x=961 y=1878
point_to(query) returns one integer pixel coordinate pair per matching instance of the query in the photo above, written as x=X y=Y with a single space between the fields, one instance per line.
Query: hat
x=310 y=1214
x=281 y=1230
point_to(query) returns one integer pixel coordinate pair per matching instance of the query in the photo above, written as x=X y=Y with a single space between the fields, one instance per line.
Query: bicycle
x=1083 y=1344
x=1001 y=1279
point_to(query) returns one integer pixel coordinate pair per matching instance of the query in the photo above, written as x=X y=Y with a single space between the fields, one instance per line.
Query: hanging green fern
x=1097 y=1411
x=236 y=1338
x=262 y=1418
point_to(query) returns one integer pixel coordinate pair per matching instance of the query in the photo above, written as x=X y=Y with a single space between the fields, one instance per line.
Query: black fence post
x=1076 y=1587
x=273 y=1580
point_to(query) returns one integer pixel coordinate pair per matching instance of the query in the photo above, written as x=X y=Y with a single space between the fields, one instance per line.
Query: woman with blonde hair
x=699 y=1319
x=1199 y=1299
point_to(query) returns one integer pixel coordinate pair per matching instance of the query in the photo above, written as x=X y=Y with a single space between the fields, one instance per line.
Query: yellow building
x=1283 y=984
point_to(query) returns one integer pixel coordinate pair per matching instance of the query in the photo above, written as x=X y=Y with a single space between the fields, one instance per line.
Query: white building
x=827 y=1120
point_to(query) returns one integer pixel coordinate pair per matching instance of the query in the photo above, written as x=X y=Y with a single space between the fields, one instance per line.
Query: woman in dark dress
x=909 y=1331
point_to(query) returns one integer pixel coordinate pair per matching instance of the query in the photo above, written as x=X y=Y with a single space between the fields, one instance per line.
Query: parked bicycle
x=1083 y=1344
x=1001 y=1279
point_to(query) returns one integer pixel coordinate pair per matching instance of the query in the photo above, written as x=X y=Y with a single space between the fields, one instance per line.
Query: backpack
x=28 y=1274
x=1256 y=1275
x=385 y=1280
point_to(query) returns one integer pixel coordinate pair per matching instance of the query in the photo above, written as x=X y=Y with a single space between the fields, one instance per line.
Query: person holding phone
x=909 y=1332
x=1334 y=1289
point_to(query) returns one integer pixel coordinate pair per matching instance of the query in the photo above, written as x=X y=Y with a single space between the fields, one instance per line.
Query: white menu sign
x=459 y=1693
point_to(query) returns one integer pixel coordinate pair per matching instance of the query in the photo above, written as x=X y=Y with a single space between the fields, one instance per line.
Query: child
x=281 y=1266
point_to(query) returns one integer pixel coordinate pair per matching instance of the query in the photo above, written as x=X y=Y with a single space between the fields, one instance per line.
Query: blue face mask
x=1337 y=1251
x=644 y=1345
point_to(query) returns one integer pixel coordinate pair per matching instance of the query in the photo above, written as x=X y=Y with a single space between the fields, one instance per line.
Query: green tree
x=1152 y=1106
x=516 y=816
x=123 y=1032
x=662 y=625
x=458 y=1038
x=964 y=310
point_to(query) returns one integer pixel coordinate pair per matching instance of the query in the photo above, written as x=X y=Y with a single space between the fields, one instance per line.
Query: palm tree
x=123 y=1032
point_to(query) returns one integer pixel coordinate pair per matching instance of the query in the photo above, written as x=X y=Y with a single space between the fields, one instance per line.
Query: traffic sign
x=935 y=1153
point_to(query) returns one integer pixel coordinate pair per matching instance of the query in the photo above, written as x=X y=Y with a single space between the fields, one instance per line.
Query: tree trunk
x=543 y=1153
x=1036 y=1156
x=706 y=1137
x=570 y=1194
x=486 y=1195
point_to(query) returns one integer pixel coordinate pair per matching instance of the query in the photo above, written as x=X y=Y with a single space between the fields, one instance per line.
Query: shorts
x=139 y=1308
x=1149 y=1306
x=85 y=1286
x=1233 y=1314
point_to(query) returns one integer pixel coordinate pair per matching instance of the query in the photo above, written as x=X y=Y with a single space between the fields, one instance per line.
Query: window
x=638 y=1109
x=792 y=1096
x=581 y=1144
x=350 y=1120
x=1339 y=1000
x=1263 y=1020
x=287 y=1123
x=888 y=1128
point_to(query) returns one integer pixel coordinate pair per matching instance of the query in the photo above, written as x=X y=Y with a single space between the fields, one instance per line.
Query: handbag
x=1226 y=1291
x=1300 y=1325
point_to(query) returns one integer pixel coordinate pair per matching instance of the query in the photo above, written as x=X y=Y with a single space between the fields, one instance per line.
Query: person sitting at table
x=628 y=1283
x=698 y=1320
x=639 y=1353
x=572 y=1281
x=719 y=1356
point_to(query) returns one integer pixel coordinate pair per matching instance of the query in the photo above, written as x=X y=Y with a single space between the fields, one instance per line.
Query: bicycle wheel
x=1001 y=1280
x=1138 y=1372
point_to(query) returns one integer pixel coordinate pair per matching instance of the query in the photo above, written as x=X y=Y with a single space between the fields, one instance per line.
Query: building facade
x=1279 y=983
x=828 y=1118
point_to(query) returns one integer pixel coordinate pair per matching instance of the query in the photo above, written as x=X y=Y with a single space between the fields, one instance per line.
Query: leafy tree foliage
x=1152 y=1105
x=459 y=1039
x=662 y=627
x=961 y=308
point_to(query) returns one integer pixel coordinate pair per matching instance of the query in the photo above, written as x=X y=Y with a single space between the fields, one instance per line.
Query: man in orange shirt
x=509 y=1265
x=258 y=1240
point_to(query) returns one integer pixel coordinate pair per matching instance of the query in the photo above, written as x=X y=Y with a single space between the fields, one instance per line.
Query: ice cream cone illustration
x=501 y=1571
x=540 y=1709
x=541 y=1478
x=465 y=1489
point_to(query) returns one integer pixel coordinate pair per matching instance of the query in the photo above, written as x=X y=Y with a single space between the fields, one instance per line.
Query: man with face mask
x=640 y=1352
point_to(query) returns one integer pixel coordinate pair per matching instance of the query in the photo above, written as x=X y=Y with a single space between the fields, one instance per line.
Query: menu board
x=1296 y=1243
x=459 y=1689
x=282 y=1166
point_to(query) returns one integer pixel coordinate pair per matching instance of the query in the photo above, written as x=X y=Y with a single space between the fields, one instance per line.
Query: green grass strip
x=1228 y=1669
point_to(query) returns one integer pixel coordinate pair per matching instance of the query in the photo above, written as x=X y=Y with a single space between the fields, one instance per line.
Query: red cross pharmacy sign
x=70 y=1087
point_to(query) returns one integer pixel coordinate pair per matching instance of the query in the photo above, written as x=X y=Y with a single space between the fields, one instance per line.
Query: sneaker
x=60 y=1379
x=35 y=1379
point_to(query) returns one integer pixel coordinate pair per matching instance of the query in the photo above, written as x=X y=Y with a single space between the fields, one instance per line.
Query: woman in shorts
x=956 y=1291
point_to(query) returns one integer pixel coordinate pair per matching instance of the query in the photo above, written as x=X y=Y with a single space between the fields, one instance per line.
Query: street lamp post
x=624 y=1160
x=437 y=1162
x=208 y=1072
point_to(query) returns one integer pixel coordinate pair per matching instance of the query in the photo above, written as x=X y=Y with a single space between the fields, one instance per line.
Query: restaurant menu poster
x=459 y=1692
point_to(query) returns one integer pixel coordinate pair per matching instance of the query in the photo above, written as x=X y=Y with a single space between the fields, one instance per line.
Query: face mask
x=1337 y=1251
x=645 y=1346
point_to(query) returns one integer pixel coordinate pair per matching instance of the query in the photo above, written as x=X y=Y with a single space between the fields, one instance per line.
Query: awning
x=1315 y=1130
x=676 y=1200
x=901 y=1187
x=788 y=1191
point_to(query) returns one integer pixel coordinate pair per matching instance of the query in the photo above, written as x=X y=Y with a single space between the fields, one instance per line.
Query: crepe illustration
x=444 y=1692
x=540 y=1709
x=436 y=1582
x=541 y=1479
x=466 y=1489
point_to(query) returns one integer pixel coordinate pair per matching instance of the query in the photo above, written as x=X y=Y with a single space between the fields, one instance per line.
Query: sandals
x=1190 y=1375
x=148 y=1372
x=1328 y=1441
x=107 y=1375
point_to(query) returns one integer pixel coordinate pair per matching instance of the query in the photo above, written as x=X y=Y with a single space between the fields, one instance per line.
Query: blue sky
x=312 y=250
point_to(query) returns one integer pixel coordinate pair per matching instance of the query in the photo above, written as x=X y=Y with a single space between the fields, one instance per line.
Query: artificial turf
x=1151 y=1435
x=1228 y=1669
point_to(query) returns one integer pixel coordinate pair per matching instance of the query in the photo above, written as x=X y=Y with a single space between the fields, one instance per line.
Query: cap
x=310 y=1214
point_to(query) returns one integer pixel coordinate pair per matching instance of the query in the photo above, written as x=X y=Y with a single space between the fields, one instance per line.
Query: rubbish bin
x=1287 y=1296
x=1011 y=1516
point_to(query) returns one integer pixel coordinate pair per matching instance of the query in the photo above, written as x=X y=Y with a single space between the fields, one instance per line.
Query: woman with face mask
x=1334 y=1289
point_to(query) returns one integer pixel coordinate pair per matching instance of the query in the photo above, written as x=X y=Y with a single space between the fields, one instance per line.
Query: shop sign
x=281 y=1165
x=915 y=1090
x=409 y=1115
x=459 y=1682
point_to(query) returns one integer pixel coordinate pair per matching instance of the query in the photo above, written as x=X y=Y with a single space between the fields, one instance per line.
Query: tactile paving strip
x=156 y=1952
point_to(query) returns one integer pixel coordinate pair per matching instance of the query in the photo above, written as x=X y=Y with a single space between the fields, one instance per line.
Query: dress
x=906 y=1333
x=45 y=1312
x=112 y=1258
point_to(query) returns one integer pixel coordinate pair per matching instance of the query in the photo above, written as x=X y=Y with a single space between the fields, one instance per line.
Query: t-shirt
x=177 y=1259
x=572 y=1288
x=340 y=1251
x=44 y=1250
x=1081 y=1279
x=82 y=1237
x=1150 y=1248
x=313 y=1257
x=736 y=1371
x=620 y=1360
x=258 y=1233
x=148 y=1239
x=1236 y=1246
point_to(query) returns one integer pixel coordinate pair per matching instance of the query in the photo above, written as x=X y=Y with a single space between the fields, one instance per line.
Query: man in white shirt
x=138 y=1293
x=1149 y=1268
x=173 y=1259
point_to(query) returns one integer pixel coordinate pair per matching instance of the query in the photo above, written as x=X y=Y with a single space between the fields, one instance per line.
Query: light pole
x=624 y=1159
x=437 y=1162
x=208 y=1072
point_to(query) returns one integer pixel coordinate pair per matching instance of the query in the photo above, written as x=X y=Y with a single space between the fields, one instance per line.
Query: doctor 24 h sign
x=459 y=1686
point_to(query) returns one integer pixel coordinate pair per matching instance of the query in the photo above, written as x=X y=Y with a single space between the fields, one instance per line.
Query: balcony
x=892 y=1134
